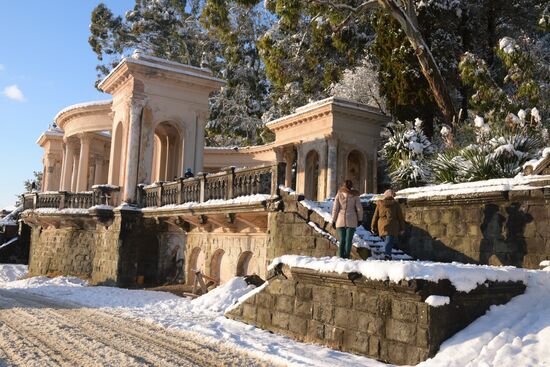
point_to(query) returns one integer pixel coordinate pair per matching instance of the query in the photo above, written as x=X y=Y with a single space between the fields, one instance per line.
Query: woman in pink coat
x=347 y=214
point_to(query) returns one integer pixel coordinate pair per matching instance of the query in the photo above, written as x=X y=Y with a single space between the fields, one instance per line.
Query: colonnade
x=85 y=161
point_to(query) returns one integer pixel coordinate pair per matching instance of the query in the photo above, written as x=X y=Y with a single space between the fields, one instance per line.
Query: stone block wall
x=63 y=250
x=496 y=228
x=291 y=234
x=386 y=321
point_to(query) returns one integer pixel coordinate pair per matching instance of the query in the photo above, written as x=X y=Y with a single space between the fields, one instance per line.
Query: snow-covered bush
x=406 y=152
x=488 y=148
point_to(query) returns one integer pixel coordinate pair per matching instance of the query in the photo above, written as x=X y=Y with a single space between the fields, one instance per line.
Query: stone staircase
x=318 y=216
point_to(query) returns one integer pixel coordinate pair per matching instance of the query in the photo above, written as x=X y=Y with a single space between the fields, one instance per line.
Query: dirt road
x=38 y=331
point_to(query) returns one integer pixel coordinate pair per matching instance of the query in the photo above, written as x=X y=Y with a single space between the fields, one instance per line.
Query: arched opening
x=216 y=264
x=196 y=262
x=148 y=259
x=117 y=146
x=312 y=175
x=167 y=152
x=356 y=170
x=243 y=265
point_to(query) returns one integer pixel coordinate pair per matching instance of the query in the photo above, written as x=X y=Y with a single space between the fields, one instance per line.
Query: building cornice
x=173 y=70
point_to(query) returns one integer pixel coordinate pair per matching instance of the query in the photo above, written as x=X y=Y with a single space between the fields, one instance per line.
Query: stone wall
x=224 y=255
x=62 y=251
x=386 y=321
x=291 y=234
x=496 y=228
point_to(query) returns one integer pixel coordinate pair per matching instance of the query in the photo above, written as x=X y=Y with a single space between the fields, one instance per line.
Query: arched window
x=312 y=175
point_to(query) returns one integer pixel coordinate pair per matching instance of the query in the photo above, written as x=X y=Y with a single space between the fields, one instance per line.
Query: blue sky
x=44 y=52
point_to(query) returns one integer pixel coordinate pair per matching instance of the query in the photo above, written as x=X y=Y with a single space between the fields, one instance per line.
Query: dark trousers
x=389 y=243
x=345 y=235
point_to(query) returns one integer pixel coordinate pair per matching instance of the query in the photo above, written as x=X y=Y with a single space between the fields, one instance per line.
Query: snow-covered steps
x=319 y=216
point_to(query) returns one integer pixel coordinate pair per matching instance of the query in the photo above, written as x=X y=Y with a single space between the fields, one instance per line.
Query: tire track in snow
x=66 y=335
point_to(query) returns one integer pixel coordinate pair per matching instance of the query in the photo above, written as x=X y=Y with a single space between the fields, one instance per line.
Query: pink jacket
x=347 y=210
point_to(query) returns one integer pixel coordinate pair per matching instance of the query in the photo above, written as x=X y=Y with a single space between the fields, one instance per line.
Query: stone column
x=74 y=171
x=68 y=163
x=290 y=156
x=49 y=173
x=98 y=178
x=300 y=169
x=332 y=165
x=322 y=192
x=133 y=148
x=189 y=146
x=83 y=164
x=202 y=118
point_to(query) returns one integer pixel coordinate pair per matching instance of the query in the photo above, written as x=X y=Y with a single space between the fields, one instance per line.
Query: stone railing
x=225 y=185
x=100 y=195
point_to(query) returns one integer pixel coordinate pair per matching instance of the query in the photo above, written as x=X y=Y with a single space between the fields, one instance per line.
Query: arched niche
x=196 y=262
x=312 y=175
x=244 y=265
x=356 y=168
x=216 y=264
x=167 y=152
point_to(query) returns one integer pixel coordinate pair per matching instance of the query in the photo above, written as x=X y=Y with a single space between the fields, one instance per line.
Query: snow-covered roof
x=162 y=64
x=336 y=101
x=82 y=105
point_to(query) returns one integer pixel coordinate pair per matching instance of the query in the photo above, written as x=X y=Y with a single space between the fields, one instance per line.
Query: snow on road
x=515 y=334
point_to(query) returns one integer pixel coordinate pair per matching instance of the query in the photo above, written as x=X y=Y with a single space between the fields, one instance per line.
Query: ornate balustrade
x=101 y=195
x=225 y=185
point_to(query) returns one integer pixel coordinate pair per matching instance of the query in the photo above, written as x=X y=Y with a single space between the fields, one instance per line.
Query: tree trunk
x=407 y=20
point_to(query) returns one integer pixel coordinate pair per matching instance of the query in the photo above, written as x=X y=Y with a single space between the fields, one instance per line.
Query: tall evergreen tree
x=172 y=29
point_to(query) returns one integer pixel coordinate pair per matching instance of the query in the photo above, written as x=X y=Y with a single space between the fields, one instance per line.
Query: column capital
x=136 y=101
x=85 y=137
x=331 y=139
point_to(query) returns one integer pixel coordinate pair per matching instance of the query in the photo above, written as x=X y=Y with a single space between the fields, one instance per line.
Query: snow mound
x=42 y=281
x=464 y=277
x=436 y=301
x=222 y=297
x=12 y=272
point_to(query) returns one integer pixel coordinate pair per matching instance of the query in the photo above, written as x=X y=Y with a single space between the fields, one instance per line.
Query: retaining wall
x=496 y=228
x=386 y=321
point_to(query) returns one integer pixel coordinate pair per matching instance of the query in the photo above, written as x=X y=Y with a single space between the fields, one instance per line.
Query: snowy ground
x=515 y=334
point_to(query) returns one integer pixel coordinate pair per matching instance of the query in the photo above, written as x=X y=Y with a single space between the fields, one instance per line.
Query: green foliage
x=406 y=91
x=37 y=179
x=202 y=34
x=406 y=153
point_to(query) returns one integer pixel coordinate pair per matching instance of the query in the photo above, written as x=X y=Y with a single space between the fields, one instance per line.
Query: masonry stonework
x=383 y=320
x=495 y=228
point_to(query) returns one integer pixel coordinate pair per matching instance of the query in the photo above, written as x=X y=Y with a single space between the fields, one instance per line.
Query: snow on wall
x=464 y=277
x=498 y=184
x=437 y=301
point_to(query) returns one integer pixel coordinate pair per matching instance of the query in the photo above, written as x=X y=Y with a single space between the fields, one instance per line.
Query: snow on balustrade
x=62 y=200
x=216 y=187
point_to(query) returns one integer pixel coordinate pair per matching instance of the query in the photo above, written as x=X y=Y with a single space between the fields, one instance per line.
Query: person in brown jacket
x=388 y=221
x=347 y=214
